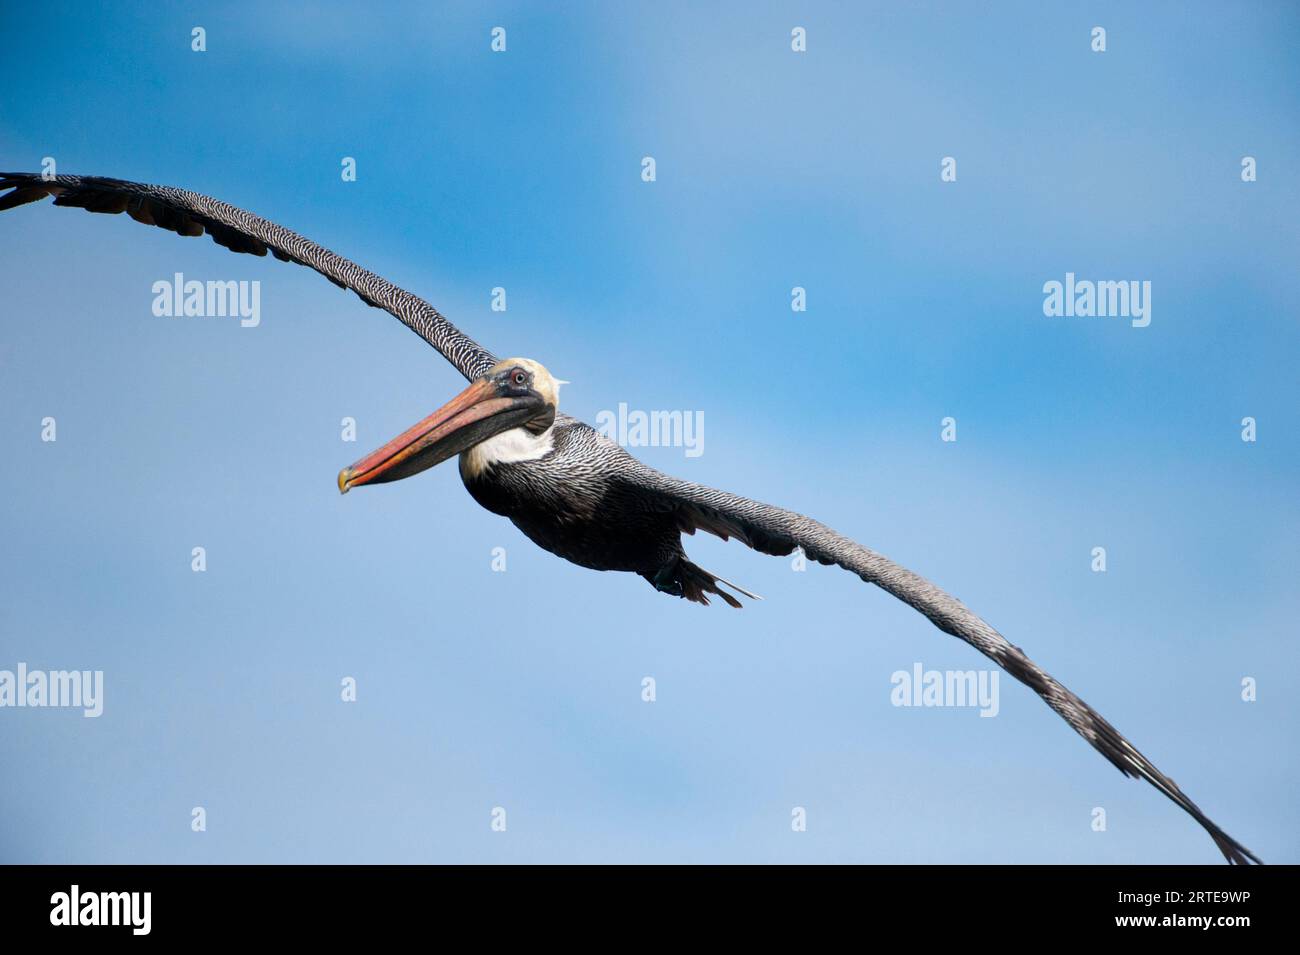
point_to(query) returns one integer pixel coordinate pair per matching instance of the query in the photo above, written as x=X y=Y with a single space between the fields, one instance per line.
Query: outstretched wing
x=188 y=213
x=773 y=530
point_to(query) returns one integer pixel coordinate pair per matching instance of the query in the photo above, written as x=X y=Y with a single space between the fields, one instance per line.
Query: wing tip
x=24 y=187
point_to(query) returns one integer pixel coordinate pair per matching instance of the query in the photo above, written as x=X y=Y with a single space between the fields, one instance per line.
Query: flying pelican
x=571 y=490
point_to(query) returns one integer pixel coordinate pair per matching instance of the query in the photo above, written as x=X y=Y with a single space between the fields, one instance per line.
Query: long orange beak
x=474 y=415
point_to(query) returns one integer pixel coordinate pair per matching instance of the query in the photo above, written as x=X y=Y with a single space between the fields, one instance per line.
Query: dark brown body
x=582 y=502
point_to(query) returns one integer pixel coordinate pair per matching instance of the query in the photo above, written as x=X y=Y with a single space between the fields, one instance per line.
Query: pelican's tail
x=681 y=578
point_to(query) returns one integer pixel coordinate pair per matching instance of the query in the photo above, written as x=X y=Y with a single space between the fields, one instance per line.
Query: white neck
x=507 y=447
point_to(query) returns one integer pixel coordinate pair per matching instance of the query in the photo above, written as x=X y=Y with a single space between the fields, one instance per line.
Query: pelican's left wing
x=773 y=530
x=188 y=213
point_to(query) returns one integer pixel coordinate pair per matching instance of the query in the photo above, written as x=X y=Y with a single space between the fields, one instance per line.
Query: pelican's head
x=517 y=393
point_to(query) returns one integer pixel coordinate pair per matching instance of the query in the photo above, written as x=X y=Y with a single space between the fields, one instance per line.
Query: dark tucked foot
x=680 y=578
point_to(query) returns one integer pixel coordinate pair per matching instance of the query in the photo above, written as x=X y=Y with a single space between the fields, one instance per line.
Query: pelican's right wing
x=772 y=530
x=188 y=213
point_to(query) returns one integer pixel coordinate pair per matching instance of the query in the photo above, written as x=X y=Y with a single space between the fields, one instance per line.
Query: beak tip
x=345 y=479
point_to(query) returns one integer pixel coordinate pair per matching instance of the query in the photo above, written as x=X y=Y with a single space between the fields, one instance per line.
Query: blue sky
x=522 y=689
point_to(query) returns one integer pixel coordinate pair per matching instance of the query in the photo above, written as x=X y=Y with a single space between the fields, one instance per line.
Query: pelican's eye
x=519 y=378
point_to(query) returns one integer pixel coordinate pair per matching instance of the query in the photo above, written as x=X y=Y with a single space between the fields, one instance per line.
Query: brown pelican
x=567 y=487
